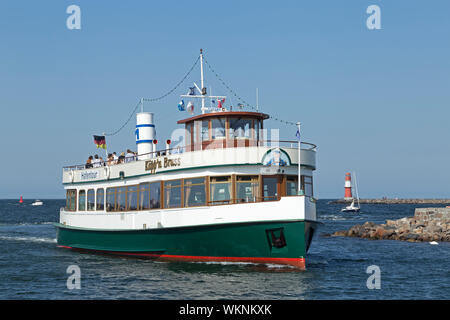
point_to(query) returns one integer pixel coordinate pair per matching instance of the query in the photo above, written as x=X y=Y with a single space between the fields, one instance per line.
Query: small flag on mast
x=100 y=141
x=298 y=134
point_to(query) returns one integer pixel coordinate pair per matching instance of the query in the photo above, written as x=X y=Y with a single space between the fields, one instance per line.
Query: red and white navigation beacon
x=348 y=187
x=21 y=199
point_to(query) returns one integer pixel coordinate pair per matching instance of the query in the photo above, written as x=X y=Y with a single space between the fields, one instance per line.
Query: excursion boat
x=226 y=194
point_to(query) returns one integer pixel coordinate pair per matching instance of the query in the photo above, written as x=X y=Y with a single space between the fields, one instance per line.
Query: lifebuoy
x=107 y=172
x=71 y=175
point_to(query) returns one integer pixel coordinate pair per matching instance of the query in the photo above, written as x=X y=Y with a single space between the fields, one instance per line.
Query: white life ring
x=107 y=172
x=71 y=175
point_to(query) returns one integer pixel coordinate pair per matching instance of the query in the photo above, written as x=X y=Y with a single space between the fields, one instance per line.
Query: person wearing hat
x=130 y=156
x=122 y=157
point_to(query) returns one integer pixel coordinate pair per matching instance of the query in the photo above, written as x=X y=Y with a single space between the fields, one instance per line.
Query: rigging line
x=155 y=99
x=126 y=122
x=239 y=98
x=176 y=86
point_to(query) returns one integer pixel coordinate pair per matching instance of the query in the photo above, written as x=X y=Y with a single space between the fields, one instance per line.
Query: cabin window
x=91 y=200
x=155 y=195
x=110 y=199
x=71 y=200
x=205 y=130
x=307 y=184
x=121 y=200
x=270 y=188
x=81 y=200
x=100 y=199
x=194 y=192
x=240 y=128
x=291 y=186
x=132 y=198
x=172 y=193
x=220 y=190
x=247 y=188
x=144 y=196
x=218 y=128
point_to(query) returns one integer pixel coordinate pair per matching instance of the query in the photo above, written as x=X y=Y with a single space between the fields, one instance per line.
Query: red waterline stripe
x=297 y=262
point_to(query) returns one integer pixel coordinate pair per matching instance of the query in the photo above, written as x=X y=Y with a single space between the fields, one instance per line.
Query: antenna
x=257 y=103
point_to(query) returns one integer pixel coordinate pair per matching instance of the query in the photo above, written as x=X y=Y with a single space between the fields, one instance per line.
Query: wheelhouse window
x=247 y=188
x=218 y=128
x=257 y=129
x=110 y=199
x=71 y=200
x=194 y=192
x=291 y=185
x=239 y=128
x=172 y=194
x=82 y=200
x=132 y=198
x=188 y=135
x=121 y=200
x=205 y=130
x=91 y=200
x=220 y=190
x=100 y=199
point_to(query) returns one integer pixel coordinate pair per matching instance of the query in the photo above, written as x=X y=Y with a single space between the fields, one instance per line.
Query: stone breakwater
x=427 y=224
x=397 y=201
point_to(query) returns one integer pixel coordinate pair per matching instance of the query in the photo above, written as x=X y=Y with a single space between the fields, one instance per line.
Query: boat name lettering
x=89 y=175
x=152 y=165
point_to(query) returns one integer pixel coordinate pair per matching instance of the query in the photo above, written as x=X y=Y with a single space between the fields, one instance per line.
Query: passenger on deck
x=115 y=158
x=96 y=161
x=130 y=156
x=110 y=159
x=121 y=157
x=89 y=162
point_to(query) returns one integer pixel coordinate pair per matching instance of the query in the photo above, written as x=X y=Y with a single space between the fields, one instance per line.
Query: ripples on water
x=32 y=267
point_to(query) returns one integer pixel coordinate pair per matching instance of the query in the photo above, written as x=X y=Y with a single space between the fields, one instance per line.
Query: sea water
x=33 y=267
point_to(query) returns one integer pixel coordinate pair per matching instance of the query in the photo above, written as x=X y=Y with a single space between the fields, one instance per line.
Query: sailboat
x=352 y=207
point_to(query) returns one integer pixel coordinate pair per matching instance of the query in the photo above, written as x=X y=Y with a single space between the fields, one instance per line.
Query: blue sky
x=374 y=101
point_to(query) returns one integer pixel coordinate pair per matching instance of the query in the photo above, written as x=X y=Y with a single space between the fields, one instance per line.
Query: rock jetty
x=427 y=224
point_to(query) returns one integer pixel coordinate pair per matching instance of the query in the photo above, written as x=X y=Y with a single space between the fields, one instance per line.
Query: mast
x=201 y=81
x=356 y=187
x=201 y=92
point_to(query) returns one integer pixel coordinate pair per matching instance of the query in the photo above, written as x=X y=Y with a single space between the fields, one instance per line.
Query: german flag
x=100 y=141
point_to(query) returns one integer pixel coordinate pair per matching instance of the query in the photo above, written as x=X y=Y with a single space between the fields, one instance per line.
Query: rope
x=155 y=99
x=240 y=99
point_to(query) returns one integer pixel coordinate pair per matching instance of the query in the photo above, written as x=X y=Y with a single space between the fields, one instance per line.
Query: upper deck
x=167 y=161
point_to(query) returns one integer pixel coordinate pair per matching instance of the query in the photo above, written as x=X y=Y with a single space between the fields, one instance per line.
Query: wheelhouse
x=228 y=129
